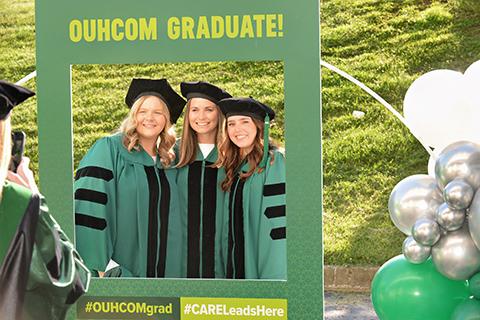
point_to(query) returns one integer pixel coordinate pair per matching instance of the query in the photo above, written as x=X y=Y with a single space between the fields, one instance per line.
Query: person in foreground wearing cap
x=126 y=200
x=201 y=197
x=41 y=274
x=255 y=222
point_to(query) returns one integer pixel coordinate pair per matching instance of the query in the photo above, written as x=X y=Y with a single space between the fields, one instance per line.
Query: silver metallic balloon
x=426 y=231
x=415 y=252
x=458 y=194
x=414 y=197
x=460 y=160
x=448 y=218
x=474 y=218
x=456 y=256
x=443 y=232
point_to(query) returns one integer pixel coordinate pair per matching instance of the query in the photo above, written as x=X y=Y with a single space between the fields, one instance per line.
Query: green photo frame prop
x=192 y=31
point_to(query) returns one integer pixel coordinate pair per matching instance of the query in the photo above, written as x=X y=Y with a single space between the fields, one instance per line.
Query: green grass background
x=387 y=45
x=384 y=43
x=98 y=92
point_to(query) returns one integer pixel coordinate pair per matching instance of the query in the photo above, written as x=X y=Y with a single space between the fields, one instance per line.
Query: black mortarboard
x=247 y=107
x=159 y=88
x=252 y=108
x=10 y=96
x=200 y=89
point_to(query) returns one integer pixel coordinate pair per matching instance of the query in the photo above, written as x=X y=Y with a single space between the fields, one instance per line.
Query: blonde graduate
x=126 y=198
x=135 y=136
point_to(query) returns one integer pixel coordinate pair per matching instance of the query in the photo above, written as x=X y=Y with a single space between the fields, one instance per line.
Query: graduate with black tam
x=201 y=197
x=41 y=274
x=126 y=198
x=255 y=222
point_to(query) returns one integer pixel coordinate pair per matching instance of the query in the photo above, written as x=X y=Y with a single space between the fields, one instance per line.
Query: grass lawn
x=384 y=43
x=17 y=59
x=99 y=91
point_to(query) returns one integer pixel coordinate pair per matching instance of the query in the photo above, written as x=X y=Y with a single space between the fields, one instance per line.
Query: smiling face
x=203 y=119
x=242 y=131
x=151 y=118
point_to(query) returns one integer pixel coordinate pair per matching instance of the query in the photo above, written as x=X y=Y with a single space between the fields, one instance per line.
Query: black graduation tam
x=246 y=107
x=159 y=88
x=10 y=96
x=200 y=89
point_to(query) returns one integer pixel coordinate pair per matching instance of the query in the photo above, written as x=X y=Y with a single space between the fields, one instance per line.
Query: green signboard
x=71 y=34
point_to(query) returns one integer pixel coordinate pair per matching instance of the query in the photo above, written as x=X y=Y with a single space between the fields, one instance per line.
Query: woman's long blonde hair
x=189 y=145
x=230 y=157
x=165 y=141
x=5 y=150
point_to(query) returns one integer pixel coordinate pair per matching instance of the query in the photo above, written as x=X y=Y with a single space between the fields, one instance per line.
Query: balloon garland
x=438 y=275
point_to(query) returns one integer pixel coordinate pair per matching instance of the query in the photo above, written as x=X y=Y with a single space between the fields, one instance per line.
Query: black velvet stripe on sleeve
x=208 y=221
x=278 y=233
x=16 y=264
x=194 y=205
x=275 y=212
x=91 y=196
x=274 y=189
x=94 y=172
x=90 y=221
x=164 y=217
x=152 y=246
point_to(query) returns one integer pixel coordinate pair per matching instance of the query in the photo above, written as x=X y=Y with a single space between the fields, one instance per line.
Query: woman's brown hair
x=230 y=157
x=189 y=143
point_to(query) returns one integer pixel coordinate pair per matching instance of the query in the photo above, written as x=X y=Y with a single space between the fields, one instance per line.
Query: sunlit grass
x=386 y=45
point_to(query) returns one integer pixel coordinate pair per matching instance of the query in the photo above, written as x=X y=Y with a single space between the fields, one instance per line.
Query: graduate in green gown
x=126 y=199
x=201 y=197
x=255 y=229
x=41 y=274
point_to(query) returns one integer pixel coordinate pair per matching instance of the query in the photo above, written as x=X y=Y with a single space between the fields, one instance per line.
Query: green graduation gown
x=126 y=209
x=255 y=228
x=201 y=207
x=41 y=274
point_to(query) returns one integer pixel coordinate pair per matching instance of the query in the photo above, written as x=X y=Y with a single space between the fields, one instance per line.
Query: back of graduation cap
x=10 y=96
x=205 y=90
x=159 y=88
x=251 y=108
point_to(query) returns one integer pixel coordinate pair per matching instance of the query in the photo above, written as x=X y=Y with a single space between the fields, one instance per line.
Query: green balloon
x=474 y=285
x=467 y=310
x=402 y=290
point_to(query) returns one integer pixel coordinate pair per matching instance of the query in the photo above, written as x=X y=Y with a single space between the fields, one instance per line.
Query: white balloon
x=437 y=109
x=471 y=85
x=473 y=71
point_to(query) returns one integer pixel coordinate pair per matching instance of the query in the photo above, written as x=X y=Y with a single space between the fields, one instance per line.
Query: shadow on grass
x=467 y=30
x=358 y=201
